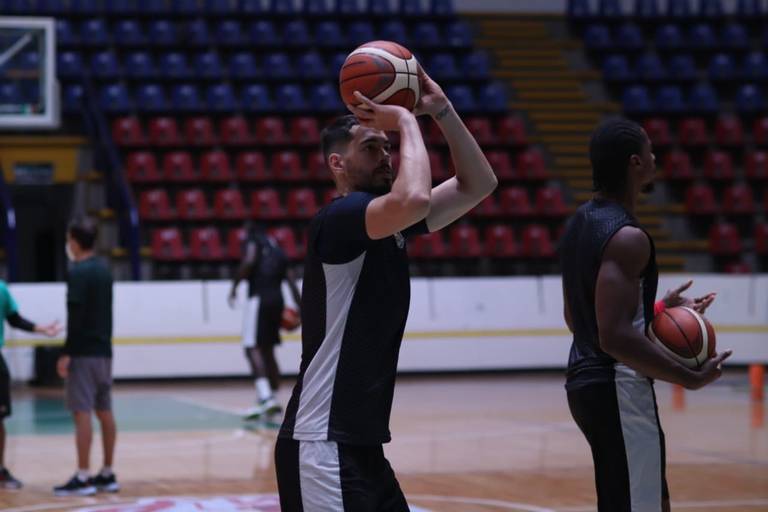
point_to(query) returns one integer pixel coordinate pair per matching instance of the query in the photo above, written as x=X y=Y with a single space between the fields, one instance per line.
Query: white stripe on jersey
x=320 y=476
x=250 y=321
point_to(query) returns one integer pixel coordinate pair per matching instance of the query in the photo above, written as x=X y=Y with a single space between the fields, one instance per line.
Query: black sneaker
x=105 y=483
x=7 y=481
x=75 y=487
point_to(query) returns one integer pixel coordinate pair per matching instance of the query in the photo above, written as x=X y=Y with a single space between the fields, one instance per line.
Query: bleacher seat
x=310 y=65
x=177 y=166
x=669 y=38
x=637 y=100
x=347 y=7
x=142 y=167
x=290 y=98
x=154 y=205
x=286 y=165
x=243 y=65
x=669 y=100
x=443 y=66
x=537 y=242
x=514 y=202
x=756 y=165
x=597 y=38
x=476 y=65
x=278 y=65
x=465 y=242
x=175 y=65
x=235 y=239
x=680 y=9
x=94 y=32
x=316 y=169
x=703 y=100
x=208 y=65
x=162 y=32
x=185 y=6
x=191 y=204
x=43 y=7
x=256 y=98
x=393 y=30
x=410 y=7
x=86 y=7
x=755 y=67
x=221 y=7
x=511 y=131
x=749 y=100
x=724 y=240
x=127 y=131
x=286 y=239
x=250 y=167
x=760 y=131
x=629 y=37
x=500 y=242
x=221 y=98
x=458 y=34
x=296 y=34
x=488 y=208
x=480 y=127
x=700 y=200
x=579 y=10
x=436 y=167
x=198 y=131
x=228 y=205
x=492 y=97
x=305 y=131
x=738 y=200
x=151 y=98
x=749 y=9
x=651 y=69
x=264 y=33
x=501 y=164
x=139 y=65
x=205 y=244
x=270 y=130
x=701 y=37
x=167 y=245
x=328 y=34
x=682 y=68
x=281 y=7
x=761 y=238
x=737 y=267
x=729 y=132
x=718 y=165
x=198 y=33
x=266 y=204
x=428 y=246
x=69 y=64
x=531 y=166
x=550 y=202
x=325 y=98
x=658 y=131
x=214 y=166
x=114 y=98
x=426 y=35
x=616 y=69
x=359 y=32
x=65 y=33
x=163 y=131
x=609 y=9
x=693 y=132
x=186 y=98
x=235 y=131
x=735 y=37
x=677 y=166
x=721 y=68
x=72 y=97
x=315 y=7
x=152 y=7
x=230 y=33
x=301 y=203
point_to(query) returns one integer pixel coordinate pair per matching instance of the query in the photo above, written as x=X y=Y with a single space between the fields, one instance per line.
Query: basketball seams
x=685 y=336
x=703 y=334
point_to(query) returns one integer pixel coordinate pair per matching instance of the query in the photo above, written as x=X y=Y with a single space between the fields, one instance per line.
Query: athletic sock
x=82 y=475
x=106 y=471
x=263 y=390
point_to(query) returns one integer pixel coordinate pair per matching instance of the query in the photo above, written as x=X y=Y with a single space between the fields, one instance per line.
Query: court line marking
x=758 y=502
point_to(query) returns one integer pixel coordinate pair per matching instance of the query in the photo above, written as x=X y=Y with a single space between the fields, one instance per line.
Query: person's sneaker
x=75 y=487
x=263 y=408
x=7 y=481
x=105 y=483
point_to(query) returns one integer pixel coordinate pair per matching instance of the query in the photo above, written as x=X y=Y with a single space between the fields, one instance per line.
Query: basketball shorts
x=89 y=384
x=261 y=322
x=334 y=477
x=621 y=423
x=5 y=389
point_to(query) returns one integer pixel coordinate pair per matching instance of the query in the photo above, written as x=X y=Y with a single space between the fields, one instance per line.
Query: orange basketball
x=290 y=319
x=383 y=71
x=685 y=335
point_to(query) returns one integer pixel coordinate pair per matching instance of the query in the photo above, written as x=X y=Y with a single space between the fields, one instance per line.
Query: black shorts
x=621 y=423
x=261 y=323
x=333 y=477
x=5 y=389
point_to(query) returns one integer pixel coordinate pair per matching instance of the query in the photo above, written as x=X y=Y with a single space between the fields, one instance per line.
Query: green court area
x=44 y=416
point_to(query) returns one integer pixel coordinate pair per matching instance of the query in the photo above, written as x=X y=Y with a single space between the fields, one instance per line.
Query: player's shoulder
x=630 y=246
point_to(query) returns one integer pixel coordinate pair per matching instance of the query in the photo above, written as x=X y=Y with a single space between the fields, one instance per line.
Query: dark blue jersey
x=269 y=268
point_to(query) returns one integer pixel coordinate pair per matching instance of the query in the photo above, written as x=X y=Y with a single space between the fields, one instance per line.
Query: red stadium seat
x=316 y=168
x=192 y=205
x=228 y=204
x=234 y=131
x=511 y=131
x=488 y=207
x=756 y=165
x=550 y=202
x=265 y=204
x=163 y=131
x=737 y=267
x=270 y=130
x=142 y=167
x=286 y=239
x=433 y=135
x=438 y=170
x=286 y=166
x=738 y=200
x=677 y=166
x=167 y=245
x=301 y=203
x=214 y=166
x=537 y=242
x=480 y=128
x=501 y=165
x=724 y=240
x=760 y=131
x=658 y=131
x=329 y=195
x=700 y=200
x=177 y=166
x=199 y=131
x=729 y=132
x=465 y=242
x=304 y=130
x=693 y=132
x=718 y=166
x=514 y=202
x=530 y=165
x=155 y=205
x=235 y=239
x=205 y=245
x=500 y=242
x=127 y=131
x=428 y=246
x=250 y=167
x=761 y=238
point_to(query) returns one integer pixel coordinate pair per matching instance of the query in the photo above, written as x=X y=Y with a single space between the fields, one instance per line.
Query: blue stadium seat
x=702 y=37
x=703 y=99
x=229 y=32
x=243 y=65
x=72 y=97
x=610 y=9
x=328 y=34
x=105 y=65
x=197 y=33
x=629 y=37
x=311 y=65
x=128 y=33
x=670 y=100
x=115 y=99
x=443 y=66
x=710 y=9
x=315 y=7
x=492 y=98
x=669 y=37
x=749 y=100
x=393 y=30
x=175 y=65
x=221 y=98
x=250 y=6
x=647 y=10
x=650 y=68
x=379 y=8
x=278 y=65
x=151 y=98
x=121 y=7
x=162 y=32
x=65 y=34
x=764 y=38
x=597 y=37
x=458 y=34
x=755 y=67
x=208 y=65
x=185 y=6
x=679 y=9
x=578 y=10
x=749 y=9
x=153 y=7
x=263 y=33
x=325 y=98
x=637 y=100
x=734 y=36
x=186 y=98
x=616 y=69
x=28 y=61
x=296 y=33
x=426 y=34
x=290 y=98
x=256 y=98
x=69 y=64
x=281 y=7
x=139 y=65
x=359 y=32
x=86 y=7
x=43 y=7
x=721 y=68
x=10 y=92
x=462 y=98
x=441 y=8
x=220 y=7
x=336 y=62
x=682 y=68
x=410 y=8
x=347 y=7
x=94 y=32
x=476 y=65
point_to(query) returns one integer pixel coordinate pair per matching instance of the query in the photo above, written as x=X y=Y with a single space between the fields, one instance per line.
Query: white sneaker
x=263 y=408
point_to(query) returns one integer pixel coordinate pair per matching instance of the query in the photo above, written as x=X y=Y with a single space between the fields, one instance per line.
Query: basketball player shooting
x=610 y=279
x=355 y=299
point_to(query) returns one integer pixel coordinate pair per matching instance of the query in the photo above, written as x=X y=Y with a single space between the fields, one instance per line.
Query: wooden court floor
x=460 y=443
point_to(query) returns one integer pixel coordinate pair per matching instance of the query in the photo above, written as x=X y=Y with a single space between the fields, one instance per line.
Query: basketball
x=290 y=320
x=383 y=71
x=685 y=335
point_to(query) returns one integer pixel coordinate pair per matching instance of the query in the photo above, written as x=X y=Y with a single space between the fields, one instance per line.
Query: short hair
x=83 y=230
x=338 y=132
x=611 y=146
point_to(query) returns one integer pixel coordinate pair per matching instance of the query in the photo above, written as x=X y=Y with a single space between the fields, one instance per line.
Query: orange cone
x=678 y=397
x=757 y=382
